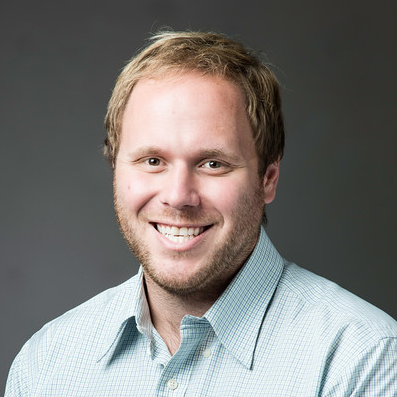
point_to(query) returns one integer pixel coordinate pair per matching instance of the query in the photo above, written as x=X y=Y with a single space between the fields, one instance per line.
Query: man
x=195 y=137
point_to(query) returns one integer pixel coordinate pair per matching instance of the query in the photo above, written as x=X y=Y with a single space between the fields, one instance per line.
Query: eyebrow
x=208 y=153
x=144 y=151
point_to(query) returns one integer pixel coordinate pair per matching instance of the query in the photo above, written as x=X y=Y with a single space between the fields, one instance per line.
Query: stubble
x=223 y=261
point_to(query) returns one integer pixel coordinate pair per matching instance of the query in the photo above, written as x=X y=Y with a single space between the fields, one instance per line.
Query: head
x=208 y=54
x=195 y=134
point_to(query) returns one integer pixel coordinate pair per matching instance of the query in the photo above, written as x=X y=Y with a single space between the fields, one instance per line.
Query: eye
x=216 y=167
x=213 y=164
x=153 y=161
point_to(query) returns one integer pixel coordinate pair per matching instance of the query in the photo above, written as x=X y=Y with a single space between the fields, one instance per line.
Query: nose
x=179 y=189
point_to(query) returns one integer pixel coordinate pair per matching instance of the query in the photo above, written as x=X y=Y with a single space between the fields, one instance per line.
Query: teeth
x=179 y=235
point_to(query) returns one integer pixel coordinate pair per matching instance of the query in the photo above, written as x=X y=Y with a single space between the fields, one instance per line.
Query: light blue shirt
x=276 y=331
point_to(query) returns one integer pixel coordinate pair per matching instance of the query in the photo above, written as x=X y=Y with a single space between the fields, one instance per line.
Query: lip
x=181 y=246
x=179 y=225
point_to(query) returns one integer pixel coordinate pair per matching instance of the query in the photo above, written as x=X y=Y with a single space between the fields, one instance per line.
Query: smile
x=179 y=234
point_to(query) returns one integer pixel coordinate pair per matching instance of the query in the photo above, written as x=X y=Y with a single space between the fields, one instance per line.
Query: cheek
x=133 y=190
x=225 y=195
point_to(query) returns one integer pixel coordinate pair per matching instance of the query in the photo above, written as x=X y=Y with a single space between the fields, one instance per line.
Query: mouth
x=180 y=234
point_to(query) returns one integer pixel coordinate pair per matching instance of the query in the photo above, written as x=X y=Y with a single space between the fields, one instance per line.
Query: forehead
x=189 y=78
x=186 y=110
x=187 y=93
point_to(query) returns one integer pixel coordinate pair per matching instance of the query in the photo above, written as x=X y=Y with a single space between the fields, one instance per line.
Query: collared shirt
x=277 y=330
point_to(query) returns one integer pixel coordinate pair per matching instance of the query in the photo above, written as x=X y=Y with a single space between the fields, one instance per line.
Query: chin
x=182 y=280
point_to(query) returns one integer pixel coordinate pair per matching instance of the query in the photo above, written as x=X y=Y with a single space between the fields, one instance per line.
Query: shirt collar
x=237 y=315
x=129 y=301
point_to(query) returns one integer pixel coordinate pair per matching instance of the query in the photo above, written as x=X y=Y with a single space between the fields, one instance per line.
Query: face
x=188 y=195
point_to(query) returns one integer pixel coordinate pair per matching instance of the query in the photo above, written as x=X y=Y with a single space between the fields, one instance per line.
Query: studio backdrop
x=334 y=213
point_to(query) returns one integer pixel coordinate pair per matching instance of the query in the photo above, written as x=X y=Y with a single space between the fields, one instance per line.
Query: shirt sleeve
x=372 y=374
x=16 y=383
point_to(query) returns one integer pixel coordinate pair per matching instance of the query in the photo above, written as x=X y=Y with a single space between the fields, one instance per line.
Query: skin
x=187 y=158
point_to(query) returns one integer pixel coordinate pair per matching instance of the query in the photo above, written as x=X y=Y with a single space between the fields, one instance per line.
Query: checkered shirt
x=277 y=330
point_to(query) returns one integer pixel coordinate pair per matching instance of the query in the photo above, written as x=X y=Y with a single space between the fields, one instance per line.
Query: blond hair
x=209 y=54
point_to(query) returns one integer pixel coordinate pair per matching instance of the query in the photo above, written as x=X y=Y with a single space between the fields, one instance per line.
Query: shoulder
x=333 y=310
x=78 y=335
x=349 y=344
x=92 y=314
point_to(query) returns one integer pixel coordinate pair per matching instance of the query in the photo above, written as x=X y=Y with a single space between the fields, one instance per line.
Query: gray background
x=335 y=209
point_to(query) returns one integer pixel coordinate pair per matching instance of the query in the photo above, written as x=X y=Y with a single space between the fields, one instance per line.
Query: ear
x=270 y=180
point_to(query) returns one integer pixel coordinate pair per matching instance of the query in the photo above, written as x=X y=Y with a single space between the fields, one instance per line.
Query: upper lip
x=187 y=225
x=180 y=225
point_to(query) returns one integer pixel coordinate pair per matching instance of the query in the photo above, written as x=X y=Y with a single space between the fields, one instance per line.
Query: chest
x=203 y=366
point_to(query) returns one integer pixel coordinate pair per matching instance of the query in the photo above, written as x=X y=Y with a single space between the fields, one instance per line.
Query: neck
x=167 y=310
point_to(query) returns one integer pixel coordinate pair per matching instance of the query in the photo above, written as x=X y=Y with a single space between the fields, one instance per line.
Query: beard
x=223 y=260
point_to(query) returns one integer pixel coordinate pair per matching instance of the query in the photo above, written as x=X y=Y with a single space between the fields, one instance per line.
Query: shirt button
x=172 y=384
x=207 y=353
